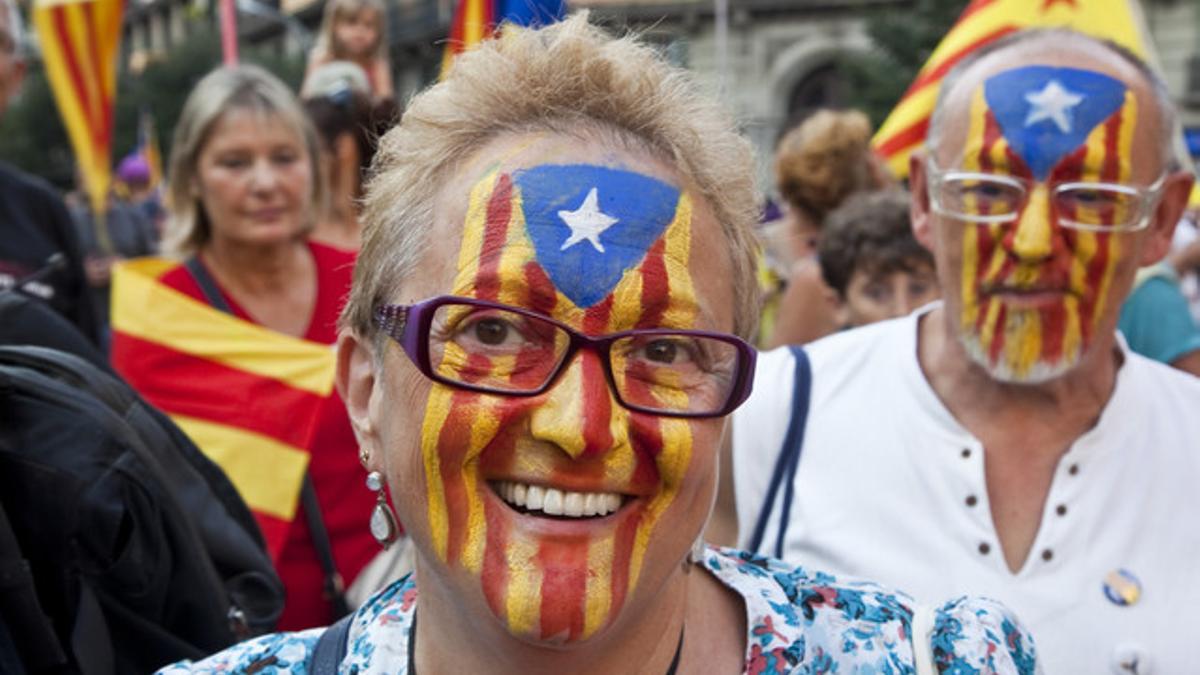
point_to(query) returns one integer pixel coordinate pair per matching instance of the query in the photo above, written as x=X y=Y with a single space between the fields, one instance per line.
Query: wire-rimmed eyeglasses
x=985 y=198
x=493 y=348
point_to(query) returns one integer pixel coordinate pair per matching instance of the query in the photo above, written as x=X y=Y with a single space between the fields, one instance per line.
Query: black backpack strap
x=335 y=587
x=331 y=648
x=29 y=628
x=208 y=285
x=789 y=457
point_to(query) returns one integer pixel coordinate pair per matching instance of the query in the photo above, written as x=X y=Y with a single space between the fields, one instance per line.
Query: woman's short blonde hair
x=824 y=160
x=572 y=78
x=327 y=47
x=227 y=89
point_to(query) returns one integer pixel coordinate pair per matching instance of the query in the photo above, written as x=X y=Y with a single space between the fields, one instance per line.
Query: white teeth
x=534 y=498
x=556 y=502
x=573 y=504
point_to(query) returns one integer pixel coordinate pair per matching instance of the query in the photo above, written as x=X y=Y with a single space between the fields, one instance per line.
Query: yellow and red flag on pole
x=983 y=22
x=246 y=395
x=477 y=20
x=79 y=42
x=147 y=147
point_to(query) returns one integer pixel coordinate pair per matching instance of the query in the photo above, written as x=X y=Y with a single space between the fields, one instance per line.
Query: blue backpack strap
x=331 y=648
x=789 y=457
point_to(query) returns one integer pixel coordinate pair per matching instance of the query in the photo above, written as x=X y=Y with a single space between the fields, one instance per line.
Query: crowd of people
x=496 y=362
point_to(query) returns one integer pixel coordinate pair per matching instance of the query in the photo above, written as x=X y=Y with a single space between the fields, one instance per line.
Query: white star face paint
x=587 y=222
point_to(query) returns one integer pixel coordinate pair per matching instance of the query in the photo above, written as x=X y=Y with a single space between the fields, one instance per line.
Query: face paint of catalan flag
x=1034 y=292
x=552 y=500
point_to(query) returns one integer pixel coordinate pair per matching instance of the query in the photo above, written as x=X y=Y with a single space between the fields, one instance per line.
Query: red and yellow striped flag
x=79 y=43
x=985 y=21
x=477 y=20
x=246 y=395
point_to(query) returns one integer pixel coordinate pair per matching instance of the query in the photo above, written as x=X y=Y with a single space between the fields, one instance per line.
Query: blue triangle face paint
x=589 y=224
x=1046 y=112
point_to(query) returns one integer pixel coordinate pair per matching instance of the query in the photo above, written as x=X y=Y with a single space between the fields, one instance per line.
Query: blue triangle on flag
x=1046 y=112
x=589 y=224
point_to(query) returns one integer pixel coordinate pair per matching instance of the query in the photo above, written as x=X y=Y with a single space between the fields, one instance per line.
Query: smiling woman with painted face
x=544 y=336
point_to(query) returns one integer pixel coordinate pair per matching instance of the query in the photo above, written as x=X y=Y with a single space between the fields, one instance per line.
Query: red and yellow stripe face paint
x=601 y=250
x=1033 y=292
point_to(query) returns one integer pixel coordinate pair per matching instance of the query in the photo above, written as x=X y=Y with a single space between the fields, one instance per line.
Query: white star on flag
x=586 y=222
x=1052 y=103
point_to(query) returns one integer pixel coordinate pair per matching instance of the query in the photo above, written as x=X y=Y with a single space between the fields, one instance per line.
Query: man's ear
x=918 y=210
x=1175 y=193
x=356 y=380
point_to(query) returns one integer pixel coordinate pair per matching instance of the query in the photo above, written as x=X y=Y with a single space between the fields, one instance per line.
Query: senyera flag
x=80 y=42
x=246 y=395
x=477 y=20
x=983 y=22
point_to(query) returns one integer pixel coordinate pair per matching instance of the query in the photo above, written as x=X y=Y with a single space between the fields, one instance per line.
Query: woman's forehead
x=580 y=220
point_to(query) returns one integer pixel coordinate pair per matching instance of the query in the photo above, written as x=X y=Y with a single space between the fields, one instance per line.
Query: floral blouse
x=798 y=622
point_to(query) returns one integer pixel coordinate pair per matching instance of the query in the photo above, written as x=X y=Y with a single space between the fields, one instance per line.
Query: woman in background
x=817 y=166
x=250 y=378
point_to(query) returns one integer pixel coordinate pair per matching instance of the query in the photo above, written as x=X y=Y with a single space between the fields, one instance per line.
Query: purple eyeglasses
x=488 y=347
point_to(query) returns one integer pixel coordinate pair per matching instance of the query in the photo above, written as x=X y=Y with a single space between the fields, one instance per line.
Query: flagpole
x=229 y=37
x=721 y=37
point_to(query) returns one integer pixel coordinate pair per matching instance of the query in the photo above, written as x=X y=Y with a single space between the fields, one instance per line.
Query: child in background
x=355 y=31
x=870 y=259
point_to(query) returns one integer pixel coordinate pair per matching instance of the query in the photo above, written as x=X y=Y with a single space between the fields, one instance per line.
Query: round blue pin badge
x=1122 y=588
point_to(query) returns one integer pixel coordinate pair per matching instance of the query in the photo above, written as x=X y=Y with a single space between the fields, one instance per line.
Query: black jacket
x=34 y=226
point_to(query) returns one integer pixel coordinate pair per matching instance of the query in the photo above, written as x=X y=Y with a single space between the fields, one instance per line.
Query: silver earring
x=384 y=527
x=696 y=555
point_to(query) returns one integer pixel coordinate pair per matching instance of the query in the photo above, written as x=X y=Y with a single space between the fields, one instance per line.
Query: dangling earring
x=384 y=527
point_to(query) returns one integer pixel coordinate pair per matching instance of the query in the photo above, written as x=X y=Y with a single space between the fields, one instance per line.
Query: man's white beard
x=1006 y=369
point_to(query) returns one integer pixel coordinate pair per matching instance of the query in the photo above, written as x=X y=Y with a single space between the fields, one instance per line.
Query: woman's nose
x=263 y=176
x=579 y=413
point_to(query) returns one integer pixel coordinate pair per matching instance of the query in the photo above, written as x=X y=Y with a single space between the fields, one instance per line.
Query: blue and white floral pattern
x=798 y=622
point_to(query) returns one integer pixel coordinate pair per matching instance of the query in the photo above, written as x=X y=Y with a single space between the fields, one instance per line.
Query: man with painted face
x=543 y=338
x=1005 y=442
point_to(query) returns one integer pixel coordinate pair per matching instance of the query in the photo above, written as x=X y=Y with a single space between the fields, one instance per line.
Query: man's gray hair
x=1168 y=116
x=15 y=27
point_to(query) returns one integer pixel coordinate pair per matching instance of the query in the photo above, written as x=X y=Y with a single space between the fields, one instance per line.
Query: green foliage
x=32 y=135
x=903 y=43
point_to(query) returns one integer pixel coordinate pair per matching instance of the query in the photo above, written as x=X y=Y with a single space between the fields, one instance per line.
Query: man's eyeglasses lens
x=507 y=351
x=997 y=199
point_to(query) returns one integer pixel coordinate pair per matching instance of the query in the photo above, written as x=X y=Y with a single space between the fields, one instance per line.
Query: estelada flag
x=80 y=42
x=477 y=20
x=246 y=395
x=983 y=22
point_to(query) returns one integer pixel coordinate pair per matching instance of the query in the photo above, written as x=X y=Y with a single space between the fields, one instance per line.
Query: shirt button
x=966 y=453
x=1073 y=469
x=1131 y=659
x=984 y=548
x=972 y=500
x=1047 y=555
x=1061 y=509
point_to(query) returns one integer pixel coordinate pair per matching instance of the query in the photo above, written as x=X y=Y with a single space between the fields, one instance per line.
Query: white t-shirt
x=891 y=487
